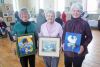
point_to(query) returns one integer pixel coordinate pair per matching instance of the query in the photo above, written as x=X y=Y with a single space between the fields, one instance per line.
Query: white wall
x=84 y=4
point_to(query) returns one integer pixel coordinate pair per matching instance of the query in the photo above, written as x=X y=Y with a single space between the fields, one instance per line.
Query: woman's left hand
x=81 y=49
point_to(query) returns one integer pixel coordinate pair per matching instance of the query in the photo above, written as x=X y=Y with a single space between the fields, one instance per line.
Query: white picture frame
x=49 y=46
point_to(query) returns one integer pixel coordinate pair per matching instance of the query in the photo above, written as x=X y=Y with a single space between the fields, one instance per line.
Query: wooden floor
x=9 y=59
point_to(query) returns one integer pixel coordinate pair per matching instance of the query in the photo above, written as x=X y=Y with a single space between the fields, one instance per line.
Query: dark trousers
x=24 y=61
x=76 y=61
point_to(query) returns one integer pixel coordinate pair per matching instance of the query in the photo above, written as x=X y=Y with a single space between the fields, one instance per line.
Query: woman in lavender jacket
x=51 y=29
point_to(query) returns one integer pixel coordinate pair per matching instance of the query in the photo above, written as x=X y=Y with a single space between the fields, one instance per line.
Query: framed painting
x=9 y=19
x=72 y=42
x=25 y=45
x=49 y=46
x=5 y=14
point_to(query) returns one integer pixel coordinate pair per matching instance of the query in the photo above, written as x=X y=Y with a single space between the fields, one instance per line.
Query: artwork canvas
x=72 y=42
x=5 y=14
x=26 y=45
x=49 y=46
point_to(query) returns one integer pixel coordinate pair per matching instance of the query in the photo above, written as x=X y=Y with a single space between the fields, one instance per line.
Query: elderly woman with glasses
x=79 y=26
x=23 y=27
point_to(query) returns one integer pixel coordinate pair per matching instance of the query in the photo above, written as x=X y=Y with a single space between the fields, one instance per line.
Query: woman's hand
x=81 y=49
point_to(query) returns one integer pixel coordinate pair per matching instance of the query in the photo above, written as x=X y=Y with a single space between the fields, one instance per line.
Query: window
x=15 y=5
x=41 y=4
x=59 y=5
x=92 y=6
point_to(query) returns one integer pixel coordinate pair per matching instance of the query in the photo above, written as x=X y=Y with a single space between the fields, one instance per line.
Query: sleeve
x=36 y=39
x=36 y=36
x=13 y=32
x=88 y=35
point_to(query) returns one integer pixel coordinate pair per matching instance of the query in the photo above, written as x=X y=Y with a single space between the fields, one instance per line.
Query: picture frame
x=26 y=45
x=49 y=46
x=72 y=42
x=9 y=19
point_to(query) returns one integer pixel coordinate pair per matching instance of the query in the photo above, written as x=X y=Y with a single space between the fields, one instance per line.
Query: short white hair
x=78 y=6
x=50 y=11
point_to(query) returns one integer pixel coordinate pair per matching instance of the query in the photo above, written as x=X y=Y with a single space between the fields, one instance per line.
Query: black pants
x=76 y=61
x=24 y=61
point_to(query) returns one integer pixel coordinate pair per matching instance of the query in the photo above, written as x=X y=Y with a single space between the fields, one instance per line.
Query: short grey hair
x=78 y=6
x=24 y=10
x=50 y=11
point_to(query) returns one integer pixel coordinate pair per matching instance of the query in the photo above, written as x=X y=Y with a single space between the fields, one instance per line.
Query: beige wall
x=23 y=3
x=31 y=4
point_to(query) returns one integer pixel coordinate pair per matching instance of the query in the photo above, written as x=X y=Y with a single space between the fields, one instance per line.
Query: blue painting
x=25 y=45
x=72 y=42
x=49 y=46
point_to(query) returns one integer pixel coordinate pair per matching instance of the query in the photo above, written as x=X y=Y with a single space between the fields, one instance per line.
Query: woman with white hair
x=51 y=29
x=23 y=27
x=79 y=26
